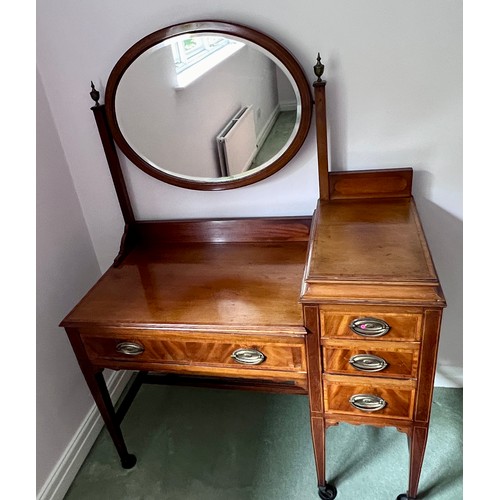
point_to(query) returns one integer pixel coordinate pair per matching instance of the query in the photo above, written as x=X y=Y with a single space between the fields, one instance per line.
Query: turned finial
x=94 y=94
x=319 y=68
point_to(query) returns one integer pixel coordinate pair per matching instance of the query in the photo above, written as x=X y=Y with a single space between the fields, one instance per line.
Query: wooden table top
x=370 y=240
x=205 y=286
x=370 y=251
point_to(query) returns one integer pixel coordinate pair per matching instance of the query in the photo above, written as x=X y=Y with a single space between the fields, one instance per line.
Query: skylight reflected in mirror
x=195 y=55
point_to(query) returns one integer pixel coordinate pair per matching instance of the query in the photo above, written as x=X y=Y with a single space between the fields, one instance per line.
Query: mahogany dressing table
x=344 y=306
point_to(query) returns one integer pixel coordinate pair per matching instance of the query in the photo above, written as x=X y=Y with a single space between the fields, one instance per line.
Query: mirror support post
x=114 y=163
x=129 y=234
x=321 y=139
x=321 y=131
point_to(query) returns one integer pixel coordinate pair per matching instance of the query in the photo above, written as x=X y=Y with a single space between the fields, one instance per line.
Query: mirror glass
x=207 y=110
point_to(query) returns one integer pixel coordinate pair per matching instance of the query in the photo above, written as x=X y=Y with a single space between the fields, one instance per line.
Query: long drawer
x=373 y=397
x=367 y=358
x=210 y=353
x=369 y=323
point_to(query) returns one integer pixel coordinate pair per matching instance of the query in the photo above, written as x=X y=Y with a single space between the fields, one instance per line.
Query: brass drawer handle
x=246 y=356
x=369 y=327
x=367 y=402
x=368 y=363
x=130 y=348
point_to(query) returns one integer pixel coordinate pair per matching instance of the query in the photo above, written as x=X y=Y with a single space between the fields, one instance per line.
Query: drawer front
x=380 y=398
x=370 y=324
x=382 y=359
x=204 y=350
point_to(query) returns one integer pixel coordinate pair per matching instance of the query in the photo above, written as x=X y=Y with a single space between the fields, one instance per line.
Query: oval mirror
x=208 y=105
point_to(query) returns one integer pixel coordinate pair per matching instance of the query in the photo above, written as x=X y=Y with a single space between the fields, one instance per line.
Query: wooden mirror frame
x=222 y=28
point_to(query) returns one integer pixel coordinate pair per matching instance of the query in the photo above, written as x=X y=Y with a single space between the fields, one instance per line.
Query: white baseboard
x=69 y=464
x=266 y=128
x=449 y=376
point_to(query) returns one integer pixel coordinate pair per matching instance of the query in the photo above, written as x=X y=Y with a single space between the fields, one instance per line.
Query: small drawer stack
x=370 y=361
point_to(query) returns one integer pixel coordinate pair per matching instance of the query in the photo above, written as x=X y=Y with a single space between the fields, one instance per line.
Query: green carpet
x=211 y=444
x=277 y=138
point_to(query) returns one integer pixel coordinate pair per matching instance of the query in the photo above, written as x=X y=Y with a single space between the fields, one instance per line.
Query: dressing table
x=343 y=306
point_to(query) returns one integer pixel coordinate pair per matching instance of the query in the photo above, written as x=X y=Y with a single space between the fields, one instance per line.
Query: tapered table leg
x=99 y=390
x=417 y=441
x=314 y=370
x=326 y=491
x=105 y=406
